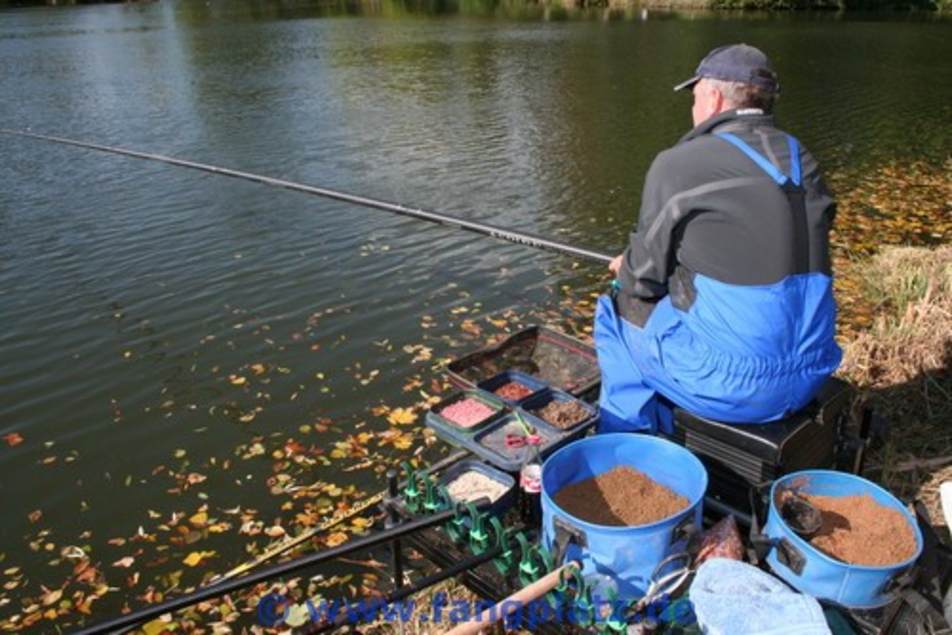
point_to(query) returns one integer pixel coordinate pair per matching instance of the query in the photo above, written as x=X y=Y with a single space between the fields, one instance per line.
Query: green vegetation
x=901 y=366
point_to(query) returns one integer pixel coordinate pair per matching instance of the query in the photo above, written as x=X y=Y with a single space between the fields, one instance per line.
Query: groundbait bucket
x=626 y=555
x=813 y=572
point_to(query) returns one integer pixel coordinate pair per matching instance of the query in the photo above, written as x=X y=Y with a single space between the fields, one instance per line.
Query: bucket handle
x=788 y=554
x=565 y=534
x=686 y=529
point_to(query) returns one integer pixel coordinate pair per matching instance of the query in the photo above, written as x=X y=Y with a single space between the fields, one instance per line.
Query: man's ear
x=718 y=99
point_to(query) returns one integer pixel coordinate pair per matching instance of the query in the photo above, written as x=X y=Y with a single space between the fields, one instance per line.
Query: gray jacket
x=709 y=209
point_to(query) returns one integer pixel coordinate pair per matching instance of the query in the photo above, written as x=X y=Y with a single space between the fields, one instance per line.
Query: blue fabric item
x=763 y=163
x=741 y=354
x=734 y=598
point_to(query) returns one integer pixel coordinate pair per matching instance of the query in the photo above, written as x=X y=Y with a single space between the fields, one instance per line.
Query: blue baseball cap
x=735 y=63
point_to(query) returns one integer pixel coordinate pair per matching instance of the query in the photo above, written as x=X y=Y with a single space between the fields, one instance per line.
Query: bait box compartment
x=503 y=378
x=553 y=357
x=553 y=440
x=541 y=399
x=501 y=504
x=454 y=434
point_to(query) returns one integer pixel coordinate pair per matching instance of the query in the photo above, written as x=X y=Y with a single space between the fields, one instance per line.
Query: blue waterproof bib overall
x=740 y=354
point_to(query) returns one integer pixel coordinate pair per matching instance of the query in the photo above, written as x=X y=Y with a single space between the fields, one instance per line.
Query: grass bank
x=902 y=366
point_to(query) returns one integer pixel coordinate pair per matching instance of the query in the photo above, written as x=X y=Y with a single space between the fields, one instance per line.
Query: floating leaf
x=193 y=559
x=125 y=563
x=12 y=439
x=402 y=416
x=236 y=380
x=52 y=597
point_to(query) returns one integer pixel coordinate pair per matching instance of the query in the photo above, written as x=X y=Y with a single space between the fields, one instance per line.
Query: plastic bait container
x=495 y=383
x=452 y=432
x=542 y=399
x=501 y=504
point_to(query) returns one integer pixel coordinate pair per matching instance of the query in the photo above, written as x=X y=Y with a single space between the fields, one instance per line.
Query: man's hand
x=615 y=264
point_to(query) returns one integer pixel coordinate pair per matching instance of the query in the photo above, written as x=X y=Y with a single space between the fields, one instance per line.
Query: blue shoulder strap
x=779 y=177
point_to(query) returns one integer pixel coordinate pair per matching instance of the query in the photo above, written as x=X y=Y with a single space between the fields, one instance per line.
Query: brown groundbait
x=858 y=530
x=562 y=414
x=620 y=497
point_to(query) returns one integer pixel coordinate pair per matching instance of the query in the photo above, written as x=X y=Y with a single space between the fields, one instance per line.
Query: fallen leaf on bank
x=194 y=559
x=335 y=539
x=125 y=563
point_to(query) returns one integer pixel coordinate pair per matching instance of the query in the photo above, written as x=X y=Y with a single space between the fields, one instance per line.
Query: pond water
x=160 y=322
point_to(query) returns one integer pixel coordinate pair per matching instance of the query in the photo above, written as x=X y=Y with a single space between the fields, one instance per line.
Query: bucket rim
x=584 y=524
x=800 y=542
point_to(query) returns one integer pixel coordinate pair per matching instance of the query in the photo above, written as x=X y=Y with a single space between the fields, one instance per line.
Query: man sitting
x=724 y=302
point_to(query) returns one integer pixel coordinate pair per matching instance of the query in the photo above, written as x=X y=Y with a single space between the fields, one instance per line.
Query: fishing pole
x=486 y=229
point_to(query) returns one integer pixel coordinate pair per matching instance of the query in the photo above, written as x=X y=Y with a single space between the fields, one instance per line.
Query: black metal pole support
x=393 y=519
x=452 y=571
x=215 y=590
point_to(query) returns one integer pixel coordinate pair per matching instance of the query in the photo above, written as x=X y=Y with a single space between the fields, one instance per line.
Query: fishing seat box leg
x=739 y=456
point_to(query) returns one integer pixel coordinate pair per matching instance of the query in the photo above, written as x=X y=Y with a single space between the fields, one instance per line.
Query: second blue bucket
x=627 y=555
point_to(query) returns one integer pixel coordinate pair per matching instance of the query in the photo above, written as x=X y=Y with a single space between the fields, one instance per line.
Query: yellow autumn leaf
x=199 y=519
x=236 y=380
x=257 y=369
x=403 y=442
x=362 y=523
x=402 y=416
x=194 y=558
x=336 y=538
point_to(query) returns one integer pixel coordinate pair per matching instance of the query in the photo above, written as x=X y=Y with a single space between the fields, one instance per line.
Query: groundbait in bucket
x=813 y=572
x=626 y=555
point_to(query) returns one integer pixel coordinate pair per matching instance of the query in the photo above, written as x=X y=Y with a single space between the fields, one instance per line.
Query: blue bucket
x=813 y=572
x=626 y=555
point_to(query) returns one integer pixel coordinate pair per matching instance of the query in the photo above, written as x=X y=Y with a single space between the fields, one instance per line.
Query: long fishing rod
x=486 y=229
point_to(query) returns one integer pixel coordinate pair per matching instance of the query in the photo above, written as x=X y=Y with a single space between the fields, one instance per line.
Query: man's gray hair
x=742 y=95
